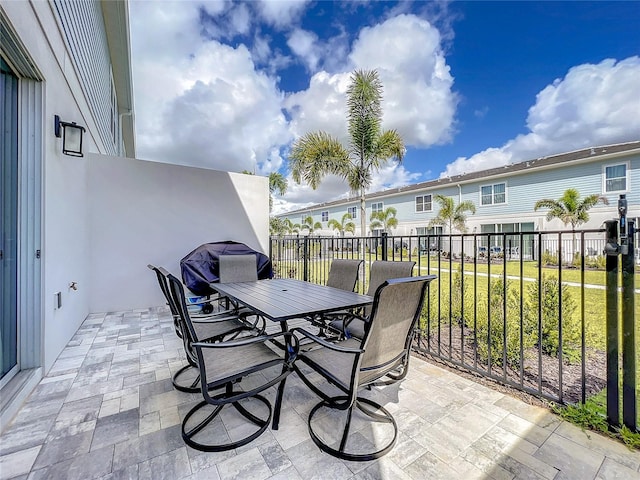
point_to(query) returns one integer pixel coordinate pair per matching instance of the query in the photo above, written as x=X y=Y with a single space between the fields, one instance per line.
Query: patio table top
x=282 y=299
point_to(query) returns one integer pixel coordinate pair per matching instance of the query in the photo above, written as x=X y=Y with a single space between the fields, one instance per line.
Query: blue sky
x=469 y=85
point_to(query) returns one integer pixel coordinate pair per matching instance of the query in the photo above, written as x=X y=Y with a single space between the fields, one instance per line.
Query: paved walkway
x=107 y=410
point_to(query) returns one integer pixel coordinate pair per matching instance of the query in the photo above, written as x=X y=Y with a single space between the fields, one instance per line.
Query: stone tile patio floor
x=107 y=410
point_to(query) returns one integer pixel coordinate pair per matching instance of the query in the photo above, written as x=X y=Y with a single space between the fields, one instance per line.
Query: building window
x=615 y=178
x=376 y=207
x=423 y=203
x=493 y=194
x=353 y=211
x=325 y=216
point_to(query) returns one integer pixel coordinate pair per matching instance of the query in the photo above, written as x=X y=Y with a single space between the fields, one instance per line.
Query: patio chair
x=209 y=328
x=350 y=325
x=223 y=365
x=343 y=274
x=351 y=364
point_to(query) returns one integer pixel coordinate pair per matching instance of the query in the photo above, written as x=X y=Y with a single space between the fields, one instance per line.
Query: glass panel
x=427 y=203
x=487 y=196
x=616 y=171
x=527 y=227
x=419 y=207
x=8 y=219
x=616 y=178
x=616 y=185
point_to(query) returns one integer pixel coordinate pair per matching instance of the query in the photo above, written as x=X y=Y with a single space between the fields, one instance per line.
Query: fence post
x=611 y=250
x=305 y=259
x=384 y=245
x=628 y=330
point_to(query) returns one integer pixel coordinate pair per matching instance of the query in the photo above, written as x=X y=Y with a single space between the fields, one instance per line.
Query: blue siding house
x=505 y=196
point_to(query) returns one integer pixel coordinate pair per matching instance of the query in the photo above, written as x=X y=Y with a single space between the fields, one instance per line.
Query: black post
x=611 y=249
x=305 y=259
x=628 y=332
x=384 y=246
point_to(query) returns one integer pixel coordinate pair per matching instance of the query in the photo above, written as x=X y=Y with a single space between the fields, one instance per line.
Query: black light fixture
x=71 y=137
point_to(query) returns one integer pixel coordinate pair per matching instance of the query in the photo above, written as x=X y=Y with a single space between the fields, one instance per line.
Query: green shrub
x=599 y=262
x=549 y=259
x=550 y=317
x=461 y=301
x=492 y=333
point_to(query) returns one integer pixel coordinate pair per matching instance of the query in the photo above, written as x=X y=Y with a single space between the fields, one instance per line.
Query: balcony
x=107 y=410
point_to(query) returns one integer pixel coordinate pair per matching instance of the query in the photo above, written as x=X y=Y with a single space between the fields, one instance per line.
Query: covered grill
x=200 y=267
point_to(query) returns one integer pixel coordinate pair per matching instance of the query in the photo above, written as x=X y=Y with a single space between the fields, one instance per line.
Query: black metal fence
x=526 y=309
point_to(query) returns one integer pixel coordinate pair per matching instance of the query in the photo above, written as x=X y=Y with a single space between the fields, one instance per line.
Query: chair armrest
x=249 y=340
x=324 y=343
x=220 y=316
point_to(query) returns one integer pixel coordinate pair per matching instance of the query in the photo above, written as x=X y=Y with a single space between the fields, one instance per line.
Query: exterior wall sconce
x=71 y=137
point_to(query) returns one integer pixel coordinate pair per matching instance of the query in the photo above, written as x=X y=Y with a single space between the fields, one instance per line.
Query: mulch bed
x=540 y=374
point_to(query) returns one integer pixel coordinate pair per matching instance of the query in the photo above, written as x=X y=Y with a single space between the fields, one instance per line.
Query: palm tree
x=451 y=215
x=292 y=228
x=344 y=225
x=570 y=209
x=385 y=219
x=308 y=224
x=278 y=226
x=317 y=154
x=277 y=184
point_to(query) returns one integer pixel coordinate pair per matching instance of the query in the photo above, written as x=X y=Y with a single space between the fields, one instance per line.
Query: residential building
x=78 y=232
x=505 y=196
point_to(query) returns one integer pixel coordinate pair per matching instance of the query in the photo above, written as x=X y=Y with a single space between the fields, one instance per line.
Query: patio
x=107 y=410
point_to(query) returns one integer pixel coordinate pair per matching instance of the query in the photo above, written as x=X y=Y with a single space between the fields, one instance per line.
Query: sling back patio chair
x=343 y=274
x=223 y=365
x=352 y=325
x=209 y=328
x=349 y=365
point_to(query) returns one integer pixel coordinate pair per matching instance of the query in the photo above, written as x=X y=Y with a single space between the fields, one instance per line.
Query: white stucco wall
x=143 y=212
x=64 y=243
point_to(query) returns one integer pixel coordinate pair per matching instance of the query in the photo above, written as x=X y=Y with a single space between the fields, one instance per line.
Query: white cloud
x=204 y=103
x=282 y=13
x=241 y=19
x=418 y=98
x=201 y=102
x=594 y=104
x=304 y=44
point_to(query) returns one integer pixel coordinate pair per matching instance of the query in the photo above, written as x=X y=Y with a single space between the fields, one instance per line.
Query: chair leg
x=373 y=410
x=187 y=379
x=189 y=432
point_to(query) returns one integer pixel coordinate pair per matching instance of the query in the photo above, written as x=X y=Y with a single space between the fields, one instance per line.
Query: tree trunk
x=363 y=221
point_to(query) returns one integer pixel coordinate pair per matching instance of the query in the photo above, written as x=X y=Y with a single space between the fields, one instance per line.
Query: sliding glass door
x=9 y=364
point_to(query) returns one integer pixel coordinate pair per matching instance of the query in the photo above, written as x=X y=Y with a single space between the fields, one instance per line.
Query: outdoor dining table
x=282 y=299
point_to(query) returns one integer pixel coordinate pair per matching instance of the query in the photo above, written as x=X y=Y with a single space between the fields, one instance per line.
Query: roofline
x=116 y=21
x=589 y=154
